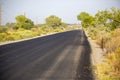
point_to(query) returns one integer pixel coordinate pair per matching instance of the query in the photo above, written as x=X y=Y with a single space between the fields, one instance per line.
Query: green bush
x=2 y=37
x=58 y=30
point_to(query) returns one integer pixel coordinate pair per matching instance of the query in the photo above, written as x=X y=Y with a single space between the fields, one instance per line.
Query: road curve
x=61 y=56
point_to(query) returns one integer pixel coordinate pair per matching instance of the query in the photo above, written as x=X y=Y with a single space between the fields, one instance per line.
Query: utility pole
x=24 y=14
x=0 y=14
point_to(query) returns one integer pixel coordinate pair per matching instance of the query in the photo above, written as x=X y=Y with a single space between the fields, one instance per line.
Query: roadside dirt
x=97 y=56
x=97 y=52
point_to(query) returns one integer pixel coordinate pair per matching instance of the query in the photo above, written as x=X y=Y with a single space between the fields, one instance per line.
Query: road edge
x=25 y=39
x=97 y=55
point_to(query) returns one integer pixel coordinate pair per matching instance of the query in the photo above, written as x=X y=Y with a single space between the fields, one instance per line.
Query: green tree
x=102 y=20
x=23 y=22
x=101 y=17
x=53 y=21
x=10 y=25
x=109 y=19
x=86 y=19
x=115 y=18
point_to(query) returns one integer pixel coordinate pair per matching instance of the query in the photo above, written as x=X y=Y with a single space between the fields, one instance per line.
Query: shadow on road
x=84 y=70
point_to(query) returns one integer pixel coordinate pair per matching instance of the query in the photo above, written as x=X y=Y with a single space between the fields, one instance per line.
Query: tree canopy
x=23 y=22
x=86 y=19
x=106 y=19
x=53 y=21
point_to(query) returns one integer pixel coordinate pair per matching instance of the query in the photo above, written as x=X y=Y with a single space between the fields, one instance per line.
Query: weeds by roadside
x=12 y=35
x=110 y=68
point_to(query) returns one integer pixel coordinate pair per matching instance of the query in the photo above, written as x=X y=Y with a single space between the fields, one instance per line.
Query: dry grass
x=12 y=35
x=110 y=69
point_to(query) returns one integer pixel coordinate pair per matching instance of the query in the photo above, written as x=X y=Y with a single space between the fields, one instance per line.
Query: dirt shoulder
x=97 y=53
x=97 y=56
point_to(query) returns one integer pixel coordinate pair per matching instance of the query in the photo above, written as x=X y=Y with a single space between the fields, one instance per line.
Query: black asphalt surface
x=61 y=56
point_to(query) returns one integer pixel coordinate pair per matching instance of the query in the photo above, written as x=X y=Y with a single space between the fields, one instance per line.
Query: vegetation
x=110 y=70
x=87 y=19
x=25 y=28
x=23 y=22
x=104 y=27
x=53 y=21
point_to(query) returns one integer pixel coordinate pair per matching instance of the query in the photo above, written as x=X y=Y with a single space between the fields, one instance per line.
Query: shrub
x=21 y=33
x=112 y=44
x=92 y=32
x=102 y=39
x=3 y=29
x=57 y=30
x=2 y=37
x=114 y=41
x=9 y=38
x=110 y=69
x=26 y=34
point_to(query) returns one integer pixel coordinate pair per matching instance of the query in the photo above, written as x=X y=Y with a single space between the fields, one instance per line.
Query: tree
x=23 y=22
x=86 y=19
x=115 y=18
x=10 y=25
x=53 y=21
x=101 y=17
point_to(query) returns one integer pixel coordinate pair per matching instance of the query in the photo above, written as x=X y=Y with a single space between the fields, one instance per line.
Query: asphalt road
x=62 y=56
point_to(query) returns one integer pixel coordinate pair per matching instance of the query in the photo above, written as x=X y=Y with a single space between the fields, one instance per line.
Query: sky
x=67 y=10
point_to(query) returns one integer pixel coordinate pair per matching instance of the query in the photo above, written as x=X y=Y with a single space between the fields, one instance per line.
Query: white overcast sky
x=67 y=10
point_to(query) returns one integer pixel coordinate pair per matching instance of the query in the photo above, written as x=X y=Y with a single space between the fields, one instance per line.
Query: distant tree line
x=22 y=22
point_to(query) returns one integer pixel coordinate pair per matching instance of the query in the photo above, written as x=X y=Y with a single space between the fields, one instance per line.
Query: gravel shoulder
x=97 y=55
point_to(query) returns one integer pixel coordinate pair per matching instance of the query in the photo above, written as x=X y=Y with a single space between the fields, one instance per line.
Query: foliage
x=110 y=69
x=11 y=35
x=114 y=41
x=101 y=17
x=10 y=25
x=23 y=22
x=103 y=20
x=86 y=19
x=104 y=28
x=3 y=29
x=25 y=28
x=106 y=32
x=53 y=21
x=2 y=36
x=115 y=18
